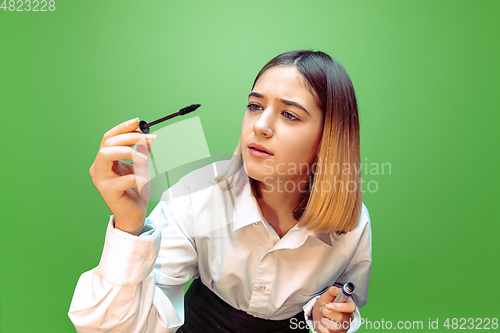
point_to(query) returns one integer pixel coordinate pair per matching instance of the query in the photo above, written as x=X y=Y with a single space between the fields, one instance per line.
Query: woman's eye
x=253 y=107
x=289 y=116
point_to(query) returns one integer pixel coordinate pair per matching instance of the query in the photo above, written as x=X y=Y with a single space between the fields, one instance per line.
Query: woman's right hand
x=124 y=186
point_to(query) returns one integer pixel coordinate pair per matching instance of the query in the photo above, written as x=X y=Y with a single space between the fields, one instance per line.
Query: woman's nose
x=264 y=123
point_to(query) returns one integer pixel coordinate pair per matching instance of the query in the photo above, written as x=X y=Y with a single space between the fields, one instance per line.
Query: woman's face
x=282 y=118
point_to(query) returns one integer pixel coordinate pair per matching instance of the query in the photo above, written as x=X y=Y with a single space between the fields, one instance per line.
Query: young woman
x=266 y=240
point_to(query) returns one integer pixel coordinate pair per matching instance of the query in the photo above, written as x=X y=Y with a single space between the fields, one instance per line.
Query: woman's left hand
x=332 y=317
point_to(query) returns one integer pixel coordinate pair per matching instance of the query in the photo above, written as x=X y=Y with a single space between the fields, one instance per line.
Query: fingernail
x=131 y=122
x=320 y=309
x=148 y=136
x=330 y=306
x=142 y=156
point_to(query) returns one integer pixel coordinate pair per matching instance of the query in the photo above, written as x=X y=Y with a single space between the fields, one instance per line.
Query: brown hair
x=335 y=208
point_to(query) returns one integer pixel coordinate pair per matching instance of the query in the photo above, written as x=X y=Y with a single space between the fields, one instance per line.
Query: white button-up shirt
x=200 y=229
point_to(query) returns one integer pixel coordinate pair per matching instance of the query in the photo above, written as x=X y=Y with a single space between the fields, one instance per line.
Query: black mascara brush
x=144 y=126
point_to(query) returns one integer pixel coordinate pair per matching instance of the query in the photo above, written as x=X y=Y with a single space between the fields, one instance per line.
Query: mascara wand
x=144 y=126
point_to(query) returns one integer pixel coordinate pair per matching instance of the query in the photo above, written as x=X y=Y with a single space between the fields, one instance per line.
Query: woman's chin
x=255 y=172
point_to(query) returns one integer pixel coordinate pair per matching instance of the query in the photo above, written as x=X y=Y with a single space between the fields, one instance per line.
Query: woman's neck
x=277 y=203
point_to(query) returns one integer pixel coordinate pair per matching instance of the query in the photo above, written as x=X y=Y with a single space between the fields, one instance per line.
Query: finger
x=127 y=139
x=131 y=184
x=123 y=183
x=331 y=315
x=320 y=325
x=143 y=187
x=142 y=167
x=145 y=190
x=328 y=325
x=341 y=317
x=322 y=329
x=329 y=295
x=122 y=168
x=107 y=155
x=339 y=326
x=144 y=146
x=125 y=127
x=347 y=307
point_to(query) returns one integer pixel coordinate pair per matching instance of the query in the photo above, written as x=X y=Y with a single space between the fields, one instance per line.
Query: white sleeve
x=357 y=272
x=140 y=281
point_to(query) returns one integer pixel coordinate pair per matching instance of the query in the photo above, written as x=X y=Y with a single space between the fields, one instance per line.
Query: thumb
x=329 y=295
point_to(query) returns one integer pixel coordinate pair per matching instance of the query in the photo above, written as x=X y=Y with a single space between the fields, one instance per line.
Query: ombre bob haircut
x=333 y=199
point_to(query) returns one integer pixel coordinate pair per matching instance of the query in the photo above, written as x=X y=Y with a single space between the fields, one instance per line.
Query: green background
x=426 y=74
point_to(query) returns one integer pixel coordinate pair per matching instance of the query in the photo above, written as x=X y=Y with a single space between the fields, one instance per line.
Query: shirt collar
x=247 y=211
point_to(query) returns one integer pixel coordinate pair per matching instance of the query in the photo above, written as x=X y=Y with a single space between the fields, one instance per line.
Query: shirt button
x=262 y=288
x=255 y=224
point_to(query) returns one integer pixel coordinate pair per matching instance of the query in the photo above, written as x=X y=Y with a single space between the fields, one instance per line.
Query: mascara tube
x=345 y=293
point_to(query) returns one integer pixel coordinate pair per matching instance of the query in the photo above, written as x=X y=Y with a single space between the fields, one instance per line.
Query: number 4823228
x=28 y=5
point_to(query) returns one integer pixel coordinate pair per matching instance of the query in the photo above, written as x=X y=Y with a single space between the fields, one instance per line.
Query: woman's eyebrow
x=292 y=103
x=284 y=101
x=255 y=94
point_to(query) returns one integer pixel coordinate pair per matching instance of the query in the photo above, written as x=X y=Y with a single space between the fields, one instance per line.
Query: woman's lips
x=259 y=154
x=256 y=146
